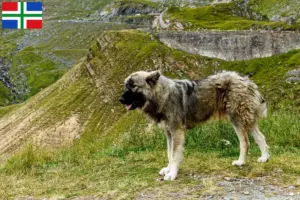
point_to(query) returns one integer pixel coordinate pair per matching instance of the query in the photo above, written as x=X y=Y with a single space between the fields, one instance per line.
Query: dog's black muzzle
x=127 y=99
x=132 y=100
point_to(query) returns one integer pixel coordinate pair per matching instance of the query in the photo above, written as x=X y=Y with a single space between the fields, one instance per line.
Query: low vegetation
x=131 y=164
x=118 y=154
x=284 y=8
x=39 y=71
x=72 y=9
x=6 y=95
x=222 y=17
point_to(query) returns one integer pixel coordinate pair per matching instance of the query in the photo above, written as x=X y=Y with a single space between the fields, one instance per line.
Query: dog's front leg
x=177 y=146
x=166 y=170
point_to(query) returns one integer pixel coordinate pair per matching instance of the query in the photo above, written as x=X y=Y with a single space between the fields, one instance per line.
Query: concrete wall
x=232 y=45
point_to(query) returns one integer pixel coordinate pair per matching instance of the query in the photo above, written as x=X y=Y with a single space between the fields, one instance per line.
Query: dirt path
x=226 y=188
x=212 y=187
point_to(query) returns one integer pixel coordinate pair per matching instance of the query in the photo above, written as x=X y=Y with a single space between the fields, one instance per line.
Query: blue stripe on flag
x=10 y=24
x=34 y=6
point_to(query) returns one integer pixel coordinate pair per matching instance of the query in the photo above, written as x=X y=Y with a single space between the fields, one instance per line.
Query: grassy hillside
x=118 y=154
x=7 y=46
x=284 y=8
x=6 y=95
x=228 y=16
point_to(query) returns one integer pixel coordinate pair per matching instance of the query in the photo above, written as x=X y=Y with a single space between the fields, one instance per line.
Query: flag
x=22 y=15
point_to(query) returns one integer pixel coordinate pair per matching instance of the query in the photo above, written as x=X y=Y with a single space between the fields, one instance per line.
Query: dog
x=178 y=105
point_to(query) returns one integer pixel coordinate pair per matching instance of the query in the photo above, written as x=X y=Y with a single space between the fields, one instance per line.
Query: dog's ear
x=153 y=77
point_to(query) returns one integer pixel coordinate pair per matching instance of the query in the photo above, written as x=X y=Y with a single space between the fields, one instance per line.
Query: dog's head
x=139 y=88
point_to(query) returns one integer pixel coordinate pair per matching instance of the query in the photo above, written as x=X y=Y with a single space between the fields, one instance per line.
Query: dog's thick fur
x=176 y=105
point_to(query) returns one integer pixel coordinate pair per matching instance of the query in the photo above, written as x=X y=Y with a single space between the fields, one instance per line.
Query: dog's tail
x=262 y=109
x=260 y=101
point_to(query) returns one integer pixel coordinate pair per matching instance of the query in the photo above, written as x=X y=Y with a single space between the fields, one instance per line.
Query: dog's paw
x=164 y=171
x=263 y=158
x=238 y=163
x=170 y=176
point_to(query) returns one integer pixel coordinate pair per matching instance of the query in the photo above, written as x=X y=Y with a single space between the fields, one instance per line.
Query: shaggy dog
x=177 y=105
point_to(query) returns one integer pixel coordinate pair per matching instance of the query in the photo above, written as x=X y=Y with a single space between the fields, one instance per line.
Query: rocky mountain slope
x=82 y=108
x=72 y=138
x=286 y=10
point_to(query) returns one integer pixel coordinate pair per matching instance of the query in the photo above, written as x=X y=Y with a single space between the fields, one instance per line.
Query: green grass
x=6 y=95
x=40 y=71
x=219 y=17
x=131 y=164
x=274 y=7
x=72 y=9
x=8 y=109
x=78 y=9
x=8 y=43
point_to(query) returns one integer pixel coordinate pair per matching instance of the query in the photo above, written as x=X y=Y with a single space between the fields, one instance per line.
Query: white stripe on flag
x=30 y=12
x=13 y=18
x=14 y=12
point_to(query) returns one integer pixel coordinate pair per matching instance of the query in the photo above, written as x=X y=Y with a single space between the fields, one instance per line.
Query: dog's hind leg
x=261 y=141
x=177 y=147
x=166 y=170
x=244 y=145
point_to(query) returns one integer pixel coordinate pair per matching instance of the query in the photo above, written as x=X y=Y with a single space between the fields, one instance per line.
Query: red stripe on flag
x=34 y=24
x=9 y=6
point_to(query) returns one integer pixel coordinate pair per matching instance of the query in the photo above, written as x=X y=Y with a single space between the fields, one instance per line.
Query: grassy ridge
x=118 y=154
x=6 y=95
x=284 y=8
x=72 y=9
x=39 y=71
x=220 y=17
x=8 y=109
x=8 y=45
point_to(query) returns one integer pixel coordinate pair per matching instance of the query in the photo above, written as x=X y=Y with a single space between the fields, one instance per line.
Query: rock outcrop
x=127 y=12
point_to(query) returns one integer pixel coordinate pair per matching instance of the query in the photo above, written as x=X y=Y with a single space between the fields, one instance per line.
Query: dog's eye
x=131 y=84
